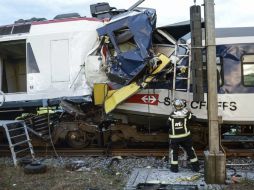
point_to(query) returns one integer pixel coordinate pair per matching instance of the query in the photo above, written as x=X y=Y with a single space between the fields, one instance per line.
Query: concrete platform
x=142 y=178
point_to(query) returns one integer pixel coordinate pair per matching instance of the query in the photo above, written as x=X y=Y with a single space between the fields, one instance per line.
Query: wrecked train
x=114 y=80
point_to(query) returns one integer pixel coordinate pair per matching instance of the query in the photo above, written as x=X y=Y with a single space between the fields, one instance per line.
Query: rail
x=128 y=152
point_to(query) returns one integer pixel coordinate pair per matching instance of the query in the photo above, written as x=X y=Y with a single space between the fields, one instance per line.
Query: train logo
x=151 y=99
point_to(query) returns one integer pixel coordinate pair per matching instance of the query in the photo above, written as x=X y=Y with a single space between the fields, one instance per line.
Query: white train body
x=44 y=64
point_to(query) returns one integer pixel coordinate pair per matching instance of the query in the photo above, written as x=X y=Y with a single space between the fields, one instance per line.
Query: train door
x=13 y=70
x=59 y=61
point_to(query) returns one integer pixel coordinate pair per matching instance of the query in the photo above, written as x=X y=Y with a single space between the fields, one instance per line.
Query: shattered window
x=125 y=40
x=248 y=70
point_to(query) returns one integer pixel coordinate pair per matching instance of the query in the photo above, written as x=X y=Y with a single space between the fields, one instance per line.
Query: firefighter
x=179 y=135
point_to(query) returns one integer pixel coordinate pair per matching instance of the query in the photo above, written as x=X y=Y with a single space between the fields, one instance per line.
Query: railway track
x=139 y=152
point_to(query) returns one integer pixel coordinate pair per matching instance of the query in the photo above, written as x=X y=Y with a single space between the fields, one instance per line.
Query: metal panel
x=137 y=30
x=59 y=59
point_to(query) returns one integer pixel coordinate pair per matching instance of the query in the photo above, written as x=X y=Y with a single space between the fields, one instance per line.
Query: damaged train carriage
x=41 y=62
x=127 y=64
x=48 y=62
x=148 y=98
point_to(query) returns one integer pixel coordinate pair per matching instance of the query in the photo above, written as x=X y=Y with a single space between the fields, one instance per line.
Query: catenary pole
x=212 y=99
x=215 y=160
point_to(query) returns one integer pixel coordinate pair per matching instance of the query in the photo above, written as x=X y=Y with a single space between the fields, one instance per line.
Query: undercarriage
x=83 y=126
x=80 y=130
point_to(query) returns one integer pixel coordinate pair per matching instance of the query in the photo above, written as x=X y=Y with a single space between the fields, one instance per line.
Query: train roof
x=176 y=30
x=180 y=29
x=234 y=32
x=24 y=26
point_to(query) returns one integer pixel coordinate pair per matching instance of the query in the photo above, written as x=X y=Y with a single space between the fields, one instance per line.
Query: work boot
x=174 y=168
x=195 y=166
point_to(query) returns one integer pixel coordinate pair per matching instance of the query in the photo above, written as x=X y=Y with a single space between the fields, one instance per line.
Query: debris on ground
x=190 y=179
x=110 y=173
x=75 y=165
x=35 y=168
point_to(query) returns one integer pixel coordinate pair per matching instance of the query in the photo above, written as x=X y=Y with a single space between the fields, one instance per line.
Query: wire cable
x=50 y=136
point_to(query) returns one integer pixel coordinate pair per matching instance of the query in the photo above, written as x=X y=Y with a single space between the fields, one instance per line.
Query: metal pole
x=212 y=99
x=196 y=53
x=215 y=161
x=135 y=5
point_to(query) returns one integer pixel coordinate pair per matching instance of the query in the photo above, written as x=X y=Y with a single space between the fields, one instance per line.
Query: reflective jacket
x=179 y=127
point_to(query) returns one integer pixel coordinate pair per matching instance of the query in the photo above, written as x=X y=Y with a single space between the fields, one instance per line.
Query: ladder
x=17 y=135
x=177 y=66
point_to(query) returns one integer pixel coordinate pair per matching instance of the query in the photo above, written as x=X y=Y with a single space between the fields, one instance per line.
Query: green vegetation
x=249 y=80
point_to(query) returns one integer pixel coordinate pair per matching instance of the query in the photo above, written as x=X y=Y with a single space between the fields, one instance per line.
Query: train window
x=248 y=70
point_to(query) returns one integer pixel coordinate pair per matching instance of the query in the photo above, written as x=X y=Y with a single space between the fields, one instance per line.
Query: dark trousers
x=186 y=144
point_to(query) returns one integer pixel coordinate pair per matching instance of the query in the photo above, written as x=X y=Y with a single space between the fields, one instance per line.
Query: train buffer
x=18 y=139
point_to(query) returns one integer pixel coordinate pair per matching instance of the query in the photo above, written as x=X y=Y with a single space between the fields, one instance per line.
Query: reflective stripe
x=174 y=162
x=169 y=119
x=171 y=158
x=194 y=152
x=190 y=116
x=185 y=125
x=194 y=160
x=173 y=127
x=179 y=136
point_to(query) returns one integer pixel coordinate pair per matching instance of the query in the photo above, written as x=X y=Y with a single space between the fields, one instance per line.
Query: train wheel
x=77 y=139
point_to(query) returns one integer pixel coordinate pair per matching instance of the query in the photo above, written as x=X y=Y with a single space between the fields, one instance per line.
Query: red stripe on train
x=151 y=99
